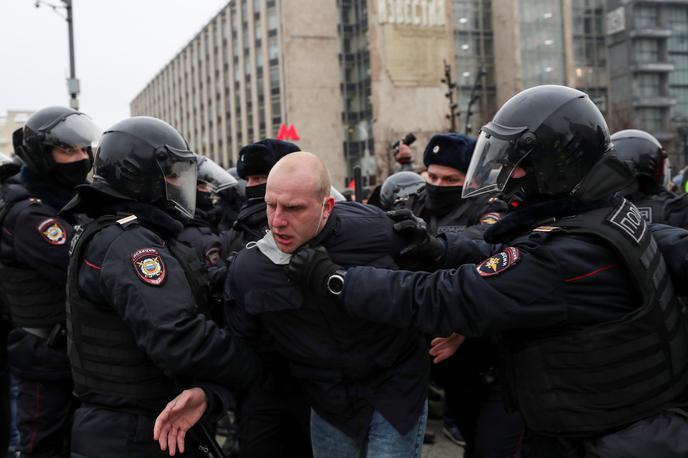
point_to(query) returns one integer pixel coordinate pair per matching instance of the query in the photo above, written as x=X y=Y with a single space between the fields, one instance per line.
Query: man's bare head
x=298 y=199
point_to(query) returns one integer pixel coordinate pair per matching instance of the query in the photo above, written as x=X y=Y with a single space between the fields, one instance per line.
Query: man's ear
x=328 y=206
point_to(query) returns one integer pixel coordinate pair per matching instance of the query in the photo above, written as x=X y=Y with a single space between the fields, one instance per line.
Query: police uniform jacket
x=466 y=212
x=593 y=334
x=34 y=245
x=249 y=226
x=346 y=366
x=135 y=335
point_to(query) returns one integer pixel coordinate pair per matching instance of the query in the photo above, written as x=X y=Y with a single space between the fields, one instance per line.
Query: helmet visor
x=179 y=170
x=73 y=131
x=214 y=176
x=494 y=160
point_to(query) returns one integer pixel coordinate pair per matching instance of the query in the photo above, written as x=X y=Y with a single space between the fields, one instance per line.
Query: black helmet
x=147 y=160
x=644 y=152
x=49 y=128
x=398 y=186
x=555 y=133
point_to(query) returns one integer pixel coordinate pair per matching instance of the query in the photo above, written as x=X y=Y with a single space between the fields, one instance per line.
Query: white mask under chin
x=268 y=247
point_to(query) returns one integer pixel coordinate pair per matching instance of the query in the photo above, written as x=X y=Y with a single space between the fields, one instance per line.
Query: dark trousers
x=274 y=425
x=474 y=402
x=5 y=420
x=45 y=403
x=664 y=435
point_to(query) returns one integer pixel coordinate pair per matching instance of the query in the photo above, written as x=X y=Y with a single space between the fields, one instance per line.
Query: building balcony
x=652 y=67
x=656 y=101
x=653 y=32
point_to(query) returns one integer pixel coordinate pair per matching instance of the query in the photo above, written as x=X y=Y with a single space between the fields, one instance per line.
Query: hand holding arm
x=442 y=348
x=177 y=418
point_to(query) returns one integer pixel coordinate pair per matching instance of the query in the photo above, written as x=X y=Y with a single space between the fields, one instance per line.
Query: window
x=648 y=84
x=645 y=16
x=646 y=50
x=650 y=119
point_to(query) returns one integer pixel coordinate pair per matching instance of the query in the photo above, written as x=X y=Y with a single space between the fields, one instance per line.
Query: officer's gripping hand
x=177 y=418
x=421 y=243
x=442 y=348
x=311 y=268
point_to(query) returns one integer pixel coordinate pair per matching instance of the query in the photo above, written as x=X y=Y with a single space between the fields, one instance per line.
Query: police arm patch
x=149 y=266
x=499 y=262
x=52 y=232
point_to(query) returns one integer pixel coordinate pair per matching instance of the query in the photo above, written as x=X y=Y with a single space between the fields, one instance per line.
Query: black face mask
x=204 y=201
x=72 y=174
x=256 y=192
x=442 y=199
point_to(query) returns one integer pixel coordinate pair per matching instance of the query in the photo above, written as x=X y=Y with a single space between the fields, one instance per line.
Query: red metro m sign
x=287 y=133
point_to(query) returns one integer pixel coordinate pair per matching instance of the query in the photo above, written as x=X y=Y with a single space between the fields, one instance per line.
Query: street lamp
x=72 y=81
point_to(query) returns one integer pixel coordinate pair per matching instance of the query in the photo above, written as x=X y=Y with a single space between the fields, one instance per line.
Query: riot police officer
x=55 y=146
x=8 y=168
x=273 y=416
x=475 y=415
x=440 y=203
x=651 y=166
x=135 y=335
x=199 y=233
x=397 y=188
x=595 y=346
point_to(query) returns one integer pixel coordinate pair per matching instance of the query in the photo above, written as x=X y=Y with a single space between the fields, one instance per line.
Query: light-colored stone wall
x=311 y=81
x=13 y=120
x=407 y=55
x=506 y=49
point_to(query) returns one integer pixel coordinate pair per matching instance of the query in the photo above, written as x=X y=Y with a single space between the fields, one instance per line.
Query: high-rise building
x=13 y=120
x=346 y=78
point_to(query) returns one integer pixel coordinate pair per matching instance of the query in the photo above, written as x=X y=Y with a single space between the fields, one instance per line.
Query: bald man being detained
x=366 y=383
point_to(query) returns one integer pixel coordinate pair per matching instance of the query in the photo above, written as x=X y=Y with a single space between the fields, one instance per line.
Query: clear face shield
x=498 y=152
x=179 y=170
x=73 y=131
x=215 y=177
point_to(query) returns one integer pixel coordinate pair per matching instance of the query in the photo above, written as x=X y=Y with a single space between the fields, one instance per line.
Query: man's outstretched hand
x=311 y=267
x=177 y=418
x=442 y=348
x=421 y=244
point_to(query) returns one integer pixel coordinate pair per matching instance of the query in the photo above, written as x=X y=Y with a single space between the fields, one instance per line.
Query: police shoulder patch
x=499 y=262
x=149 y=266
x=52 y=231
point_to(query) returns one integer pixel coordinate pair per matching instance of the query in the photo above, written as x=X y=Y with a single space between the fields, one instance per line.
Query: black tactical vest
x=653 y=208
x=586 y=380
x=32 y=301
x=102 y=350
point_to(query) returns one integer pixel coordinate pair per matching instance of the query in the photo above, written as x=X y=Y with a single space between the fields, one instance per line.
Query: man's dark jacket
x=347 y=366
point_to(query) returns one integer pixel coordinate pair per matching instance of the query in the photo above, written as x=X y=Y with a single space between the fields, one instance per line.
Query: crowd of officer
x=146 y=292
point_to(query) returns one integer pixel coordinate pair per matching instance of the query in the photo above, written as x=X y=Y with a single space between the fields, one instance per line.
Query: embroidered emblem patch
x=628 y=220
x=52 y=232
x=149 y=266
x=490 y=218
x=499 y=262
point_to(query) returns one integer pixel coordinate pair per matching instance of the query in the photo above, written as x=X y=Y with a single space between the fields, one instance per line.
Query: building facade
x=346 y=78
x=13 y=120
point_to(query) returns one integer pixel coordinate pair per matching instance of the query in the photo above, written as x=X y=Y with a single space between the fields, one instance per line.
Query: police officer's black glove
x=311 y=268
x=422 y=245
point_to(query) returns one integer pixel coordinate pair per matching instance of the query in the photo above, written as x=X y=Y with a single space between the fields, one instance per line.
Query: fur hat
x=258 y=158
x=452 y=150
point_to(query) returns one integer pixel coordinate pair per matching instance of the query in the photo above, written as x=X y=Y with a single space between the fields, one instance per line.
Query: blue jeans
x=383 y=441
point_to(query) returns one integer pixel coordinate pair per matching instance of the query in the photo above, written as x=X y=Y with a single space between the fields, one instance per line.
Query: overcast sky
x=120 y=46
